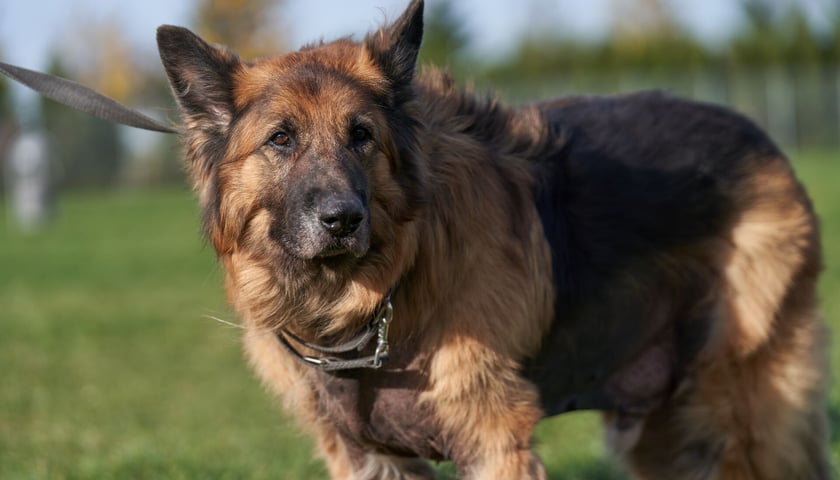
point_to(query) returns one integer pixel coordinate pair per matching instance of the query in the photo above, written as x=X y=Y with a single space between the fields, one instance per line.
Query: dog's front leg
x=286 y=377
x=486 y=410
x=522 y=464
x=345 y=461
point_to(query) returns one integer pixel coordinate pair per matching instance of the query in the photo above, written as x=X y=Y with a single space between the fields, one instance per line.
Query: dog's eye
x=360 y=135
x=280 y=139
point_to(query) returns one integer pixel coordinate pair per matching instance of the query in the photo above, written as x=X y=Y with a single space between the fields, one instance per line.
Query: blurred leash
x=82 y=98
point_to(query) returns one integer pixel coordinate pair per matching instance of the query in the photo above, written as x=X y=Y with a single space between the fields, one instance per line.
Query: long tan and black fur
x=641 y=255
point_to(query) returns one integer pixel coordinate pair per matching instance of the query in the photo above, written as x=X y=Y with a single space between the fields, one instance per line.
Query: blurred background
x=775 y=60
x=117 y=359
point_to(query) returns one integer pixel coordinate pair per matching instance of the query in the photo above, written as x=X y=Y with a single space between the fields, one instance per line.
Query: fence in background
x=799 y=107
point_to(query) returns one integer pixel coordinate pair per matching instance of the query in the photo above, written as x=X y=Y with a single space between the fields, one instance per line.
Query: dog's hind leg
x=759 y=419
x=753 y=404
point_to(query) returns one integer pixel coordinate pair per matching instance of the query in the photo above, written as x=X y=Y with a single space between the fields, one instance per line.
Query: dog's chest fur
x=380 y=408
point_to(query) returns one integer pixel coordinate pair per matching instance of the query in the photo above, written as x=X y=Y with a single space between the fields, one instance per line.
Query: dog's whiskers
x=224 y=322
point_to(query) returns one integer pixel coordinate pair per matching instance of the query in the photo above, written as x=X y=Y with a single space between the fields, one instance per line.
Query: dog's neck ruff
x=378 y=326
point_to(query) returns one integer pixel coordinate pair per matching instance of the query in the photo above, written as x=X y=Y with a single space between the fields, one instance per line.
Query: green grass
x=111 y=369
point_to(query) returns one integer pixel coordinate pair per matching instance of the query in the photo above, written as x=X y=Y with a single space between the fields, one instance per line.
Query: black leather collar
x=378 y=326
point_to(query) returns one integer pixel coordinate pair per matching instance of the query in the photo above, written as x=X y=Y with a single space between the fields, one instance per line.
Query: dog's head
x=304 y=157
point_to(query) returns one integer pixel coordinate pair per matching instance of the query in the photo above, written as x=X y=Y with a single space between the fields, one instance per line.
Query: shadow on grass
x=189 y=469
x=601 y=469
x=834 y=426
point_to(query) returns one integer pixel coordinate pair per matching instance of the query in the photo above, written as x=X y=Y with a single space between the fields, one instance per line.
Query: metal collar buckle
x=382 y=347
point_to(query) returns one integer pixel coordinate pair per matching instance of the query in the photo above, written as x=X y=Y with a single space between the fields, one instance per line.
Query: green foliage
x=771 y=37
x=87 y=151
x=249 y=28
x=444 y=37
x=5 y=101
x=113 y=369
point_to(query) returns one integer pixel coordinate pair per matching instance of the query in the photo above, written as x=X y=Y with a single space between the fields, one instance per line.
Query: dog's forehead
x=336 y=74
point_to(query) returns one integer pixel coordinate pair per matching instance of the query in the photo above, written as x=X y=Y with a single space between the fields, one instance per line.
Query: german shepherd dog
x=423 y=274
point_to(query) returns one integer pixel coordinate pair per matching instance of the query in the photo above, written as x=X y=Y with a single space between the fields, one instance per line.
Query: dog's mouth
x=344 y=248
x=332 y=253
x=339 y=258
x=321 y=249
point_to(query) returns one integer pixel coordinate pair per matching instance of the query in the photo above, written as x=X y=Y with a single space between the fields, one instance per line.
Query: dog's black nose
x=341 y=216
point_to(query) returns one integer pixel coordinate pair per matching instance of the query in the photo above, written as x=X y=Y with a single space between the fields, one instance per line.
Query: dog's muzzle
x=338 y=224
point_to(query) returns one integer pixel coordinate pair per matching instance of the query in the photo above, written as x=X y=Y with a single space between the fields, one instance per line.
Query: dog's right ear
x=201 y=76
x=394 y=48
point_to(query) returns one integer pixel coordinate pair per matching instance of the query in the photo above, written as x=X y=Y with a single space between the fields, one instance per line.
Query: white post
x=28 y=175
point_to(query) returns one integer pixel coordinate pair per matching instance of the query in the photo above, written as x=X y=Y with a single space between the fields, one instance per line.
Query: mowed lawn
x=112 y=366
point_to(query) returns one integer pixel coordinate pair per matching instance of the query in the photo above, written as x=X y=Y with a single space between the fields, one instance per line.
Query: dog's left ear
x=394 y=48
